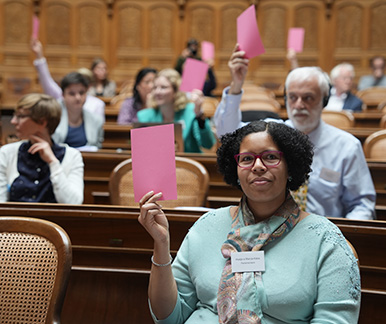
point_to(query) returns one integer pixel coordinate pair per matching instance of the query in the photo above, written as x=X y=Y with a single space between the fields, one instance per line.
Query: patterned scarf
x=241 y=296
x=300 y=195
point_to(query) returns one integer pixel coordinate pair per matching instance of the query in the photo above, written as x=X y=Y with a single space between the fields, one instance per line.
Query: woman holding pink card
x=170 y=105
x=263 y=261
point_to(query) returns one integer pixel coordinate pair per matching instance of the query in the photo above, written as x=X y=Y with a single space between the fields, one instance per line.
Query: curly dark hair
x=297 y=149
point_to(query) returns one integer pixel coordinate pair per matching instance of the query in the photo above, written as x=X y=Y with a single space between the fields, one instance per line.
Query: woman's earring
x=238 y=181
x=289 y=179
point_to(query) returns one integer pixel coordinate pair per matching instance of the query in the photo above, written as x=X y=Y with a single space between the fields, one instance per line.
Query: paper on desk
x=35 y=27
x=295 y=39
x=193 y=75
x=248 y=36
x=207 y=51
x=153 y=161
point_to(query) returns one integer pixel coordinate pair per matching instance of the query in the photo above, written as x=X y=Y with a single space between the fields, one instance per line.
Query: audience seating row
x=373 y=98
x=118 y=136
x=111 y=259
x=99 y=165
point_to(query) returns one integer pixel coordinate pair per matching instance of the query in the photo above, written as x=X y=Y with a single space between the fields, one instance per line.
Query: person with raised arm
x=340 y=183
x=263 y=261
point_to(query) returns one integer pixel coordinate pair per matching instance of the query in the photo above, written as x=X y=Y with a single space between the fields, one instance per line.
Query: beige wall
x=130 y=34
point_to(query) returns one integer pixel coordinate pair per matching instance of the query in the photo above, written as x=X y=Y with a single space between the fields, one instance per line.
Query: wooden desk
x=111 y=114
x=111 y=259
x=98 y=166
x=368 y=119
x=116 y=136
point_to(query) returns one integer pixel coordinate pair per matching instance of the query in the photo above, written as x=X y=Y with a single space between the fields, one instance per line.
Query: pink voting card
x=35 y=27
x=193 y=75
x=207 y=51
x=295 y=39
x=153 y=161
x=248 y=36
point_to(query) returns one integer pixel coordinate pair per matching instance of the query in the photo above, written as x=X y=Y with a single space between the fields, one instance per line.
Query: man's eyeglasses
x=20 y=116
x=268 y=158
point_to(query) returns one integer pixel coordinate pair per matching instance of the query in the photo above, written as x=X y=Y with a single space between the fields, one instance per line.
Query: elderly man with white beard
x=340 y=183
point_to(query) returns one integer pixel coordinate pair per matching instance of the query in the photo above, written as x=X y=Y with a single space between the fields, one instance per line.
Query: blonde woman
x=169 y=105
x=36 y=169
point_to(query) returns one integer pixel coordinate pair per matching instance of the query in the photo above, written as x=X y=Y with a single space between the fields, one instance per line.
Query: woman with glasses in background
x=263 y=261
x=36 y=169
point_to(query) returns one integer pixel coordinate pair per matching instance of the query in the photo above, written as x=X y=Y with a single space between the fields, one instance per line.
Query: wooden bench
x=111 y=259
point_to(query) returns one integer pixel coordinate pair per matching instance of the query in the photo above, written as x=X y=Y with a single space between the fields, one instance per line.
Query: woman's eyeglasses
x=20 y=116
x=268 y=158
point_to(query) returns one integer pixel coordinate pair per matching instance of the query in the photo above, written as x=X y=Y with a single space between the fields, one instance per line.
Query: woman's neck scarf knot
x=241 y=296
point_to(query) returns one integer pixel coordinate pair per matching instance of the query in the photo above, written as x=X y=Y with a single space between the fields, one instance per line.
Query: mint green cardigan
x=311 y=274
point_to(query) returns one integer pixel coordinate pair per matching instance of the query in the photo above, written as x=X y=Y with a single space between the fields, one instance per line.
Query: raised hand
x=152 y=217
x=238 y=66
x=37 y=48
x=197 y=97
x=291 y=56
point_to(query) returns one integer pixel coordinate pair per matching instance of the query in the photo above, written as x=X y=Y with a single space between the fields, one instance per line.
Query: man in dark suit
x=342 y=77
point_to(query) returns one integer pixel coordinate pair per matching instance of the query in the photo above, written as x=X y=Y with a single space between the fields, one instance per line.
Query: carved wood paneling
x=130 y=24
x=307 y=16
x=58 y=29
x=349 y=22
x=202 y=21
x=272 y=26
x=17 y=21
x=228 y=30
x=91 y=24
x=378 y=27
x=162 y=25
x=132 y=33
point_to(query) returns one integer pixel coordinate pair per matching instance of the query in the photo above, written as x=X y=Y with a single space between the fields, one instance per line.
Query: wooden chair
x=382 y=123
x=116 y=101
x=339 y=119
x=382 y=106
x=192 y=184
x=374 y=146
x=209 y=106
x=372 y=97
x=126 y=88
x=260 y=104
x=36 y=258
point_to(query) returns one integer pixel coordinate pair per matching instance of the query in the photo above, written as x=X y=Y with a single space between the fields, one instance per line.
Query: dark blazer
x=352 y=103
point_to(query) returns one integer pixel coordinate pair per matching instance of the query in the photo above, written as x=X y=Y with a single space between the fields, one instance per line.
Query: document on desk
x=153 y=161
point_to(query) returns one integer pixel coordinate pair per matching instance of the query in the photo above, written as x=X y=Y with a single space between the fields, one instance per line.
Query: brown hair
x=42 y=108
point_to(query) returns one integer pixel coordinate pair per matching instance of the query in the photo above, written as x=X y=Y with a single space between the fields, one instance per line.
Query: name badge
x=248 y=261
x=330 y=175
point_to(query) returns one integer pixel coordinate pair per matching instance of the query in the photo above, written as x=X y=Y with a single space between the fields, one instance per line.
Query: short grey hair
x=309 y=72
x=335 y=72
